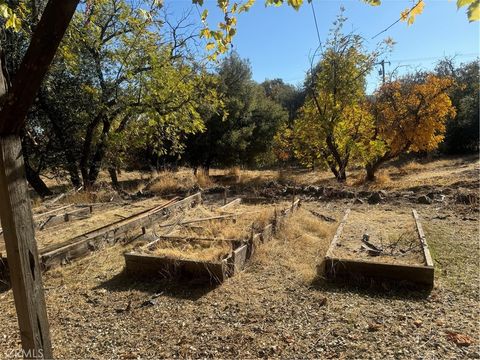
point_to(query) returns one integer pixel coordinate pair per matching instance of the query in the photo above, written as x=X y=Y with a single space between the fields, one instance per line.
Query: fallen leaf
x=374 y=327
x=459 y=339
x=418 y=323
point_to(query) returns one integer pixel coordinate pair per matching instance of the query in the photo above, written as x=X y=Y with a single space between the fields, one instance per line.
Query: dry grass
x=168 y=182
x=300 y=246
x=247 y=218
x=88 y=197
x=239 y=226
x=410 y=167
x=203 y=180
x=234 y=171
x=193 y=250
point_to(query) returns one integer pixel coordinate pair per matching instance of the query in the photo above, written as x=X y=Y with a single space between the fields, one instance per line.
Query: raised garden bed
x=380 y=244
x=216 y=250
x=59 y=251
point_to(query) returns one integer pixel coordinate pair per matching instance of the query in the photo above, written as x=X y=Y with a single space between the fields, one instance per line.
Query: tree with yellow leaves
x=332 y=120
x=410 y=115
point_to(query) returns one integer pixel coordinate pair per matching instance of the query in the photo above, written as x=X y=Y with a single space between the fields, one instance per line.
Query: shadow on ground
x=180 y=288
x=373 y=288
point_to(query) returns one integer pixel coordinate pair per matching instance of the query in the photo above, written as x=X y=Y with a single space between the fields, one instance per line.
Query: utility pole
x=383 y=69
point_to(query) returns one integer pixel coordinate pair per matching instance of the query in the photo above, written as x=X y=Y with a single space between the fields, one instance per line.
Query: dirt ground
x=279 y=306
x=392 y=231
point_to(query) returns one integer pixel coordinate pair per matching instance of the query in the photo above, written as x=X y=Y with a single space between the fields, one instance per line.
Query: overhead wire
x=398 y=20
x=316 y=27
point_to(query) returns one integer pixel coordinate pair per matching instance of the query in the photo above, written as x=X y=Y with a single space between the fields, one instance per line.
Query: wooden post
x=15 y=209
x=22 y=252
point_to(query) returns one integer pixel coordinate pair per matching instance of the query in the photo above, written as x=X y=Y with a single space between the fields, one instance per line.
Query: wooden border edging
x=242 y=250
x=338 y=233
x=352 y=268
x=423 y=240
x=231 y=203
x=126 y=229
x=55 y=219
x=166 y=266
x=370 y=269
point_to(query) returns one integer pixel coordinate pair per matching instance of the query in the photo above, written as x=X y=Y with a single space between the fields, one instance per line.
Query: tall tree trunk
x=36 y=181
x=87 y=150
x=371 y=169
x=113 y=176
x=338 y=166
x=56 y=120
x=99 y=155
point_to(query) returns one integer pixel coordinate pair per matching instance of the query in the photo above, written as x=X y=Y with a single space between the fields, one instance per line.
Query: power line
x=316 y=26
x=399 y=19
x=434 y=58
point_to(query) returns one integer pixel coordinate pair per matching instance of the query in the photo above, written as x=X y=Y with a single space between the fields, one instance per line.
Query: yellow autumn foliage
x=412 y=115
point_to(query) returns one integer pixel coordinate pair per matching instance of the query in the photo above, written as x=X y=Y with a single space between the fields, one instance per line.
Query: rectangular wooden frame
x=350 y=268
x=217 y=272
x=124 y=230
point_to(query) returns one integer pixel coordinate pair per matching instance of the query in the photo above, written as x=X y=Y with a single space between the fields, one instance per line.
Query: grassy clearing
x=299 y=247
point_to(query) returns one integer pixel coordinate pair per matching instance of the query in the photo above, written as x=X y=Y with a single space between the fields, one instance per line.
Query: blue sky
x=279 y=40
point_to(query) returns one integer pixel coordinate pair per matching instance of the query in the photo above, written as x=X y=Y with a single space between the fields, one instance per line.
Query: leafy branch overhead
x=219 y=39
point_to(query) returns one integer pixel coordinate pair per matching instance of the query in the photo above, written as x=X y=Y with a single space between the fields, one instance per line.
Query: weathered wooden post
x=15 y=209
x=22 y=253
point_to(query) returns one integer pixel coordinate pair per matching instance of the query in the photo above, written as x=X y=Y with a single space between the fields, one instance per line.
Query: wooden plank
x=253 y=244
x=219 y=217
x=61 y=218
x=346 y=268
x=51 y=212
x=143 y=264
x=423 y=240
x=25 y=271
x=159 y=239
x=267 y=233
x=125 y=229
x=231 y=204
x=239 y=257
x=338 y=233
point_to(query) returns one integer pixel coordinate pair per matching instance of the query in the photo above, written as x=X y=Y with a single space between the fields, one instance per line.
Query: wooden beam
x=192 y=221
x=423 y=240
x=151 y=265
x=51 y=212
x=239 y=257
x=154 y=244
x=230 y=204
x=338 y=233
x=348 y=268
x=22 y=252
x=15 y=208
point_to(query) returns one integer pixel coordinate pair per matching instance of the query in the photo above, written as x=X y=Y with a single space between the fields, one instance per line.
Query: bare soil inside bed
x=393 y=232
